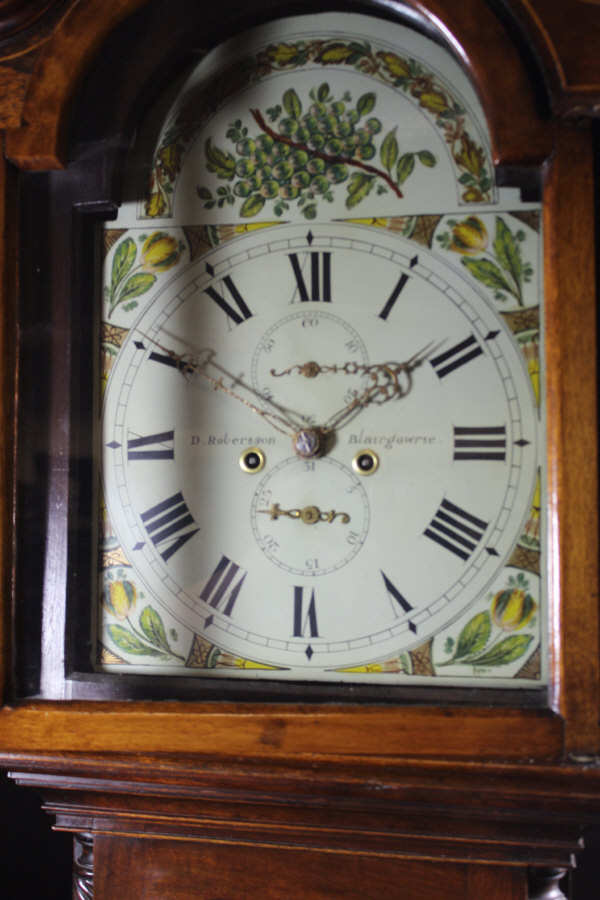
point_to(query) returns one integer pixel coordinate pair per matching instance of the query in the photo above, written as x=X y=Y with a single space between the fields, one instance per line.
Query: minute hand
x=188 y=364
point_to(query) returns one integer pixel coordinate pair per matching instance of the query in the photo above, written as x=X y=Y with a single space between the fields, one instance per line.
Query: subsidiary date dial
x=310 y=517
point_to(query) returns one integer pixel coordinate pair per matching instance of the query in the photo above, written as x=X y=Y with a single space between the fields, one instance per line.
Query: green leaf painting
x=360 y=186
x=153 y=628
x=332 y=128
x=127 y=641
x=123 y=261
x=132 y=275
x=309 y=146
x=389 y=151
x=500 y=268
x=149 y=636
x=488 y=273
x=506 y=651
x=482 y=642
x=219 y=162
x=474 y=636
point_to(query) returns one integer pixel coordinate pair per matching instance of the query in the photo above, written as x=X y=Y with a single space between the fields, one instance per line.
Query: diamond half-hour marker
x=114 y=445
x=210 y=269
x=208 y=621
x=310 y=238
x=139 y=545
x=309 y=652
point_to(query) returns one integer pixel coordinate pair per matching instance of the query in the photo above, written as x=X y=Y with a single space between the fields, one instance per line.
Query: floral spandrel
x=304 y=151
x=491 y=638
x=147 y=637
x=498 y=265
x=134 y=269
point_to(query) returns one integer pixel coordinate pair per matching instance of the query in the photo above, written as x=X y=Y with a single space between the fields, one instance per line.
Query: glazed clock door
x=319 y=402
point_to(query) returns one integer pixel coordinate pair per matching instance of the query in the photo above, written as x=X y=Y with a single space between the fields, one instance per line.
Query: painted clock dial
x=321 y=441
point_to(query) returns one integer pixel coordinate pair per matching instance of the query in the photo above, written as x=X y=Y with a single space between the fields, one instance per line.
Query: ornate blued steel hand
x=310 y=515
x=386 y=382
x=190 y=364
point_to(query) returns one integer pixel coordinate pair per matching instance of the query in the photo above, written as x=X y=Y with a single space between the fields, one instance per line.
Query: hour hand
x=385 y=381
x=384 y=378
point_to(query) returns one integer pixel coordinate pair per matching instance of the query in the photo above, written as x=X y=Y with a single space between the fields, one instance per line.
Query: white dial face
x=424 y=476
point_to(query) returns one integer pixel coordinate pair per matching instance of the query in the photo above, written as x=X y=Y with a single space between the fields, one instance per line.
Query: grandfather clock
x=299 y=457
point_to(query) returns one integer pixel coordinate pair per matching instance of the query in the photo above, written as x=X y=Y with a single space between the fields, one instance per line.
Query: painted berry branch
x=349 y=161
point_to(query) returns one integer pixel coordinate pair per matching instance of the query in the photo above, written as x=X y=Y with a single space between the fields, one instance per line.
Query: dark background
x=35 y=862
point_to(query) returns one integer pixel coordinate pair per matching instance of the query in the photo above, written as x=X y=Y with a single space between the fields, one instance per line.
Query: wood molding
x=61 y=67
x=22 y=19
x=283 y=731
x=565 y=34
x=550 y=31
x=473 y=27
x=458 y=831
x=572 y=430
x=461 y=813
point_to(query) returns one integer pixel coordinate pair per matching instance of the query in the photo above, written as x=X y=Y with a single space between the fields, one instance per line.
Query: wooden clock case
x=219 y=796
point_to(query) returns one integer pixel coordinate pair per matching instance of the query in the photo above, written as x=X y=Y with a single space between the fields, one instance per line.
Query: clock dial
x=310 y=567
x=321 y=442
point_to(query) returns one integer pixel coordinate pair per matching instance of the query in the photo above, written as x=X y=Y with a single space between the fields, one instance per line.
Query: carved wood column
x=544 y=883
x=83 y=866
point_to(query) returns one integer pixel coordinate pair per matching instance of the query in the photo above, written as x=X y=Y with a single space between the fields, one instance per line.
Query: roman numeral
x=168 y=525
x=456 y=356
x=164 y=359
x=152 y=446
x=393 y=297
x=487 y=442
x=398 y=599
x=219 y=589
x=455 y=529
x=305 y=618
x=184 y=364
x=320 y=276
x=238 y=315
x=402 y=282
